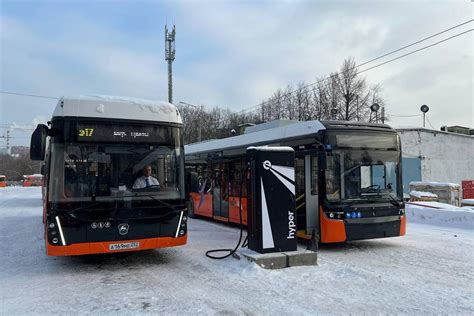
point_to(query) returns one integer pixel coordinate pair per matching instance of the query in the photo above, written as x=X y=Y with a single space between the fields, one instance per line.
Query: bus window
x=362 y=174
x=83 y=171
x=237 y=172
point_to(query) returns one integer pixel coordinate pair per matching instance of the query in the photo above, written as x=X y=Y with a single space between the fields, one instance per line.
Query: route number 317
x=86 y=132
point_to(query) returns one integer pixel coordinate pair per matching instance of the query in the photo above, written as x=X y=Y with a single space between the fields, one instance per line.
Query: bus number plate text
x=123 y=246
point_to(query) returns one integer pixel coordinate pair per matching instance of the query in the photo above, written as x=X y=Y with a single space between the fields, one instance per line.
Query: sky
x=231 y=54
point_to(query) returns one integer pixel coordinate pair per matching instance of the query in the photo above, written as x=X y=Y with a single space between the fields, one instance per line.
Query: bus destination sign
x=120 y=133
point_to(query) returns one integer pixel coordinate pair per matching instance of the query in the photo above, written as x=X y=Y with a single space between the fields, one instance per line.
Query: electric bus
x=93 y=151
x=32 y=180
x=347 y=175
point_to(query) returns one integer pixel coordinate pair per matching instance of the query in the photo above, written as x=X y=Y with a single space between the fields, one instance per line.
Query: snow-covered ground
x=440 y=214
x=429 y=271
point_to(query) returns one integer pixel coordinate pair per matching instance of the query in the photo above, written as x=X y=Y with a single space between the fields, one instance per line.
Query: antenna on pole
x=169 y=57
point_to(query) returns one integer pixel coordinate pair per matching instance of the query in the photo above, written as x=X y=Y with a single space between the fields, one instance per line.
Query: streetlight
x=374 y=108
x=424 y=108
x=200 y=108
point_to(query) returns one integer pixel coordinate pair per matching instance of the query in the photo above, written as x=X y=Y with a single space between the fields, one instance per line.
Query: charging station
x=271 y=204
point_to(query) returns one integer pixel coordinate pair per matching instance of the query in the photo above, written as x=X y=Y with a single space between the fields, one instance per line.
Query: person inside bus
x=146 y=180
x=332 y=189
x=70 y=180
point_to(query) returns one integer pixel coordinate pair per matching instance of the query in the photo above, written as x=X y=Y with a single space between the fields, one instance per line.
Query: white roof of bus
x=101 y=106
x=268 y=136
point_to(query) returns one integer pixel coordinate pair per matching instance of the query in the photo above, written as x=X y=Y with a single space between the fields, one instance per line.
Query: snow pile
x=435 y=184
x=447 y=192
x=421 y=194
x=467 y=202
x=440 y=214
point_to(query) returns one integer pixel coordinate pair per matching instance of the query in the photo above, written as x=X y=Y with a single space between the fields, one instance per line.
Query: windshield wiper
x=163 y=202
x=395 y=202
x=87 y=207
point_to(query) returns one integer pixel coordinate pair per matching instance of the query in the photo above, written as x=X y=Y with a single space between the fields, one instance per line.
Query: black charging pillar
x=271 y=220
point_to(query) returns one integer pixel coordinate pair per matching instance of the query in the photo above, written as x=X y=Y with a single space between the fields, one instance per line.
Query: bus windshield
x=362 y=174
x=113 y=171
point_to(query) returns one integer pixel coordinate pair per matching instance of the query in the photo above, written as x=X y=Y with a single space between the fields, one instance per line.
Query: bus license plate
x=123 y=246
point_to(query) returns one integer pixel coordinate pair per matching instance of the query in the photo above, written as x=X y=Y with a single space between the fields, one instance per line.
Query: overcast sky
x=231 y=54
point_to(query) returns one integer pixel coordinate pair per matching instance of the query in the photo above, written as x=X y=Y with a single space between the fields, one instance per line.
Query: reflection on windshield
x=362 y=174
x=110 y=171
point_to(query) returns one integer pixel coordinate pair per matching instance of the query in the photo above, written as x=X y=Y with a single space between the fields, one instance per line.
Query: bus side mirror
x=38 y=142
x=322 y=160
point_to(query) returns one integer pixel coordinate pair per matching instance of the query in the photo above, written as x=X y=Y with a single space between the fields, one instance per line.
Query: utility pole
x=8 y=142
x=169 y=57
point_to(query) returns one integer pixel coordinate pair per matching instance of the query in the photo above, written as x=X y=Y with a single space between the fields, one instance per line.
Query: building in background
x=436 y=156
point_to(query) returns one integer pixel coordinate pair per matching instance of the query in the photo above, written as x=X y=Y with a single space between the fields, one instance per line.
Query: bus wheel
x=191 y=209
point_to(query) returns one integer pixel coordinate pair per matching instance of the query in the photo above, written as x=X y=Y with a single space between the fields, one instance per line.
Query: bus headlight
x=331 y=215
x=51 y=225
x=55 y=240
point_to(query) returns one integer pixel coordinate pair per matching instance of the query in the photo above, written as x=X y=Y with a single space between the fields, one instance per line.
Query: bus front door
x=307 y=209
x=300 y=193
x=311 y=192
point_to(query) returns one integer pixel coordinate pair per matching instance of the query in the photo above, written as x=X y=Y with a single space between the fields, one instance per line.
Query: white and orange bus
x=32 y=180
x=94 y=149
x=348 y=177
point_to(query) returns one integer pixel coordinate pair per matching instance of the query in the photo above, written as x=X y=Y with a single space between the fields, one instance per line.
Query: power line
x=370 y=68
x=384 y=55
x=405 y=115
x=417 y=42
x=415 y=51
x=29 y=95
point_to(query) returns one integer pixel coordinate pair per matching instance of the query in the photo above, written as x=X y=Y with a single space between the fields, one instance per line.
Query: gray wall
x=443 y=157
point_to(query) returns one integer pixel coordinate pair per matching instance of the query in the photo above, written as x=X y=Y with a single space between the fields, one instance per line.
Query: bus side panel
x=103 y=247
x=403 y=225
x=331 y=230
x=234 y=210
x=206 y=206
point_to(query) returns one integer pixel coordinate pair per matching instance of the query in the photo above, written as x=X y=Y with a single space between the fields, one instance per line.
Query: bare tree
x=351 y=85
x=345 y=91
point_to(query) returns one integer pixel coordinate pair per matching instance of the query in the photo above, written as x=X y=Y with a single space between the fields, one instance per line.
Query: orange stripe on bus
x=206 y=206
x=403 y=225
x=103 y=247
x=234 y=212
x=332 y=230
